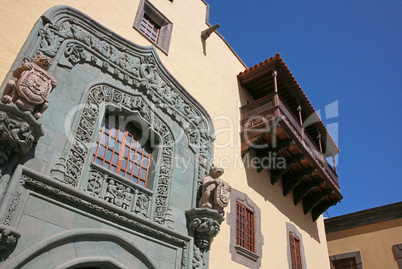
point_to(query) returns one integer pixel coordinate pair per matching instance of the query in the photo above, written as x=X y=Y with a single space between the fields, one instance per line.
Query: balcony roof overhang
x=259 y=82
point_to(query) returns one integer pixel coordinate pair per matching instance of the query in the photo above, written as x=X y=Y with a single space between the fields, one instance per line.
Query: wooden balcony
x=271 y=130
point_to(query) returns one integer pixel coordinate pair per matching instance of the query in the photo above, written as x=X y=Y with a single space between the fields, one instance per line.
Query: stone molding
x=355 y=254
x=397 y=249
x=71 y=38
x=24 y=176
x=83 y=138
x=203 y=224
x=76 y=38
x=364 y=217
x=239 y=254
x=71 y=236
x=291 y=229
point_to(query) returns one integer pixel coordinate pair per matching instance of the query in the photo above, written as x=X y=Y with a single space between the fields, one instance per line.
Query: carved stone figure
x=110 y=193
x=7 y=240
x=32 y=87
x=215 y=191
x=128 y=197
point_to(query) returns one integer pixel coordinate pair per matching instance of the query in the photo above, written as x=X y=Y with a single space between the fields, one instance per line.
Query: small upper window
x=244 y=227
x=119 y=149
x=150 y=28
x=347 y=263
x=153 y=25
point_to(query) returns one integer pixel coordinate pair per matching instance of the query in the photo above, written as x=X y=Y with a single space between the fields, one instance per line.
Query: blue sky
x=345 y=51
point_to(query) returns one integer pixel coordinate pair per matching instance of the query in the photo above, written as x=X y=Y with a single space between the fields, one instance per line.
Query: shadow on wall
x=261 y=183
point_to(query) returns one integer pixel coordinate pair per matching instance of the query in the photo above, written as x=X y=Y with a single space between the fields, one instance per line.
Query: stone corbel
x=8 y=237
x=18 y=131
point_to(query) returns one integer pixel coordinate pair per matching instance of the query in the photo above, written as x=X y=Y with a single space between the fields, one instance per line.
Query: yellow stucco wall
x=374 y=242
x=211 y=79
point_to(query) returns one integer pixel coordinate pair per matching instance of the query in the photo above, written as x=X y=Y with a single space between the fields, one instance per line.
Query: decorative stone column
x=204 y=222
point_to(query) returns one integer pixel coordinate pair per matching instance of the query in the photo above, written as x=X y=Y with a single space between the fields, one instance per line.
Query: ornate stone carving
x=8 y=237
x=32 y=87
x=203 y=224
x=95 y=183
x=85 y=44
x=142 y=204
x=215 y=191
x=80 y=149
x=82 y=42
x=198 y=258
x=116 y=192
x=110 y=214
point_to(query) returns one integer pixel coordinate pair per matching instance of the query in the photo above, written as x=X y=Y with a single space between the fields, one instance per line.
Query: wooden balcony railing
x=259 y=117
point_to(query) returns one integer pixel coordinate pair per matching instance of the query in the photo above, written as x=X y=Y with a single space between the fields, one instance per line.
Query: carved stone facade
x=130 y=81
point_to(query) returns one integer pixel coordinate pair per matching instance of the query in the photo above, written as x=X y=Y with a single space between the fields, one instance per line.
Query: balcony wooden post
x=276 y=98
x=334 y=161
x=319 y=141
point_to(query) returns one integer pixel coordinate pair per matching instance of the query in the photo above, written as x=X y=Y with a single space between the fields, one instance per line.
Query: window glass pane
x=143 y=174
x=99 y=161
x=113 y=168
x=118 y=144
x=109 y=155
x=105 y=139
x=138 y=158
x=136 y=170
x=101 y=151
x=124 y=163
x=111 y=143
x=128 y=141
x=115 y=158
x=126 y=150
x=145 y=162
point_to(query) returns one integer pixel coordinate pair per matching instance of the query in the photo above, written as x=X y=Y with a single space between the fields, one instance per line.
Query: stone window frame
x=166 y=26
x=354 y=254
x=397 y=249
x=239 y=254
x=291 y=229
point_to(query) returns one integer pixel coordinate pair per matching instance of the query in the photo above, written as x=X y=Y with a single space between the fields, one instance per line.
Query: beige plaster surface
x=374 y=242
x=212 y=80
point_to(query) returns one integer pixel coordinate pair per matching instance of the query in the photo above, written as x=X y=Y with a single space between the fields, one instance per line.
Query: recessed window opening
x=120 y=149
x=244 y=227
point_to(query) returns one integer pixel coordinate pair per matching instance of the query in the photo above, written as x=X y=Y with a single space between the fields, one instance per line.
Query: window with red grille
x=119 y=149
x=295 y=252
x=244 y=227
x=347 y=263
x=150 y=28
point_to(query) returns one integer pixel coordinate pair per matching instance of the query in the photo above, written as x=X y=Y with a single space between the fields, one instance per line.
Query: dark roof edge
x=220 y=35
x=364 y=217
